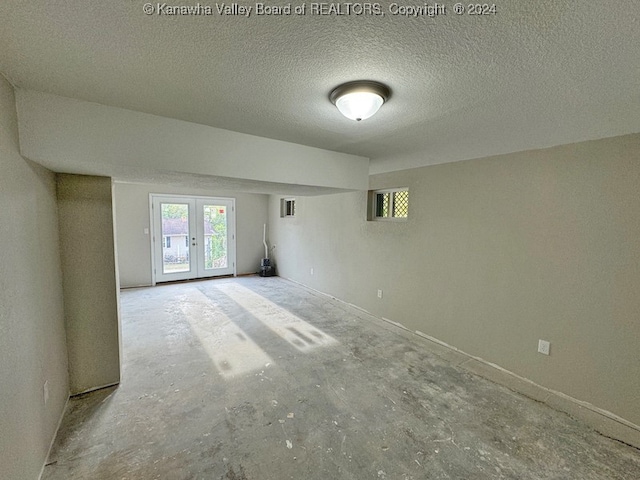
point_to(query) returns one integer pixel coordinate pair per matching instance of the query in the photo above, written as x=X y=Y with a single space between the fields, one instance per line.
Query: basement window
x=389 y=204
x=287 y=207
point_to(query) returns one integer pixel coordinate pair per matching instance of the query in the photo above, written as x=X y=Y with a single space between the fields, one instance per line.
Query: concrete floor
x=259 y=378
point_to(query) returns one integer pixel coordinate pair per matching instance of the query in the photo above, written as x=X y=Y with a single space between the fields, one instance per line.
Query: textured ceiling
x=535 y=74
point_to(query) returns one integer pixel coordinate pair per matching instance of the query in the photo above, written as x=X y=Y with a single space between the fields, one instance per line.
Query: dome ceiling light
x=360 y=99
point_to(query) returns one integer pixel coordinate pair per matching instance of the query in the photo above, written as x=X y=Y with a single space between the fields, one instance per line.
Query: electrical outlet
x=45 y=391
x=379 y=293
x=544 y=347
x=311 y=271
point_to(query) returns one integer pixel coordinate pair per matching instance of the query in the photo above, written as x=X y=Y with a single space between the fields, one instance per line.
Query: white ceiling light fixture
x=360 y=99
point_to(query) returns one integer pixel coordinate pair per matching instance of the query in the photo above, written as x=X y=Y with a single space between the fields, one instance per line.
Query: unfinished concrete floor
x=259 y=378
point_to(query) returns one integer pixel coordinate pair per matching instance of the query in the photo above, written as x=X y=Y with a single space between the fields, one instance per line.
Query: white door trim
x=231 y=240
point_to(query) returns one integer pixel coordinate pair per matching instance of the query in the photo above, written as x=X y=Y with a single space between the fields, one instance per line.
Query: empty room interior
x=296 y=240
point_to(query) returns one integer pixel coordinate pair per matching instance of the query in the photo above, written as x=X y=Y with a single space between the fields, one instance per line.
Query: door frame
x=231 y=218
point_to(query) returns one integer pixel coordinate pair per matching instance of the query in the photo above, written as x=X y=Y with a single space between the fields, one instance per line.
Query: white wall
x=32 y=337
x=496 y=254
x=89 y=279
x=74 y=136
x=132 y=217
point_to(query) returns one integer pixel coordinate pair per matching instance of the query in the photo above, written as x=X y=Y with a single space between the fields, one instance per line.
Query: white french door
x=193 y=237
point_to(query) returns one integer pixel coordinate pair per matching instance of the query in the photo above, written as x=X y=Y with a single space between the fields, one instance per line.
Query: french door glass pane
x=175 y=237
x=215 y=237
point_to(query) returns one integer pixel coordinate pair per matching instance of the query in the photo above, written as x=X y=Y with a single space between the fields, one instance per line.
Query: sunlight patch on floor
x=231 y=350
x=290 y=327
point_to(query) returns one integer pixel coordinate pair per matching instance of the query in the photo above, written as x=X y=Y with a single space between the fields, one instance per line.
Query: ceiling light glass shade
x=359 y=105
x=359 y=100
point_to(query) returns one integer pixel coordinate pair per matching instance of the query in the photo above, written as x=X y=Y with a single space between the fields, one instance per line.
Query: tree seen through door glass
x=175 y=237
x=215 y=237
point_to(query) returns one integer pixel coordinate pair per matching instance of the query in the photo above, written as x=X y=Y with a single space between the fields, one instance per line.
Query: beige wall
x=496 y=254
x=134 y=246
x=32 y=338
x=90 y=283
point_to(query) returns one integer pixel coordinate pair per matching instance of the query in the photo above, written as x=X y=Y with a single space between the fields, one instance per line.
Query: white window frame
x=285 y=211
x=373 y=198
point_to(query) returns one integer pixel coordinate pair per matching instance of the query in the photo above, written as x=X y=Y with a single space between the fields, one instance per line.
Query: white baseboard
x=606 y=423
x=53 y=439
x=93 y=389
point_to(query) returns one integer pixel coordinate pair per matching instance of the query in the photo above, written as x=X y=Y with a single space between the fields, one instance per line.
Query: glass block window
x=390 y=203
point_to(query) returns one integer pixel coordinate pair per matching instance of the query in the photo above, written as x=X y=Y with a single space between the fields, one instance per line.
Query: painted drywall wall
x=74 y=136
x=89 y=280
x=496 y=254
x=32 y=337
x=134 y=245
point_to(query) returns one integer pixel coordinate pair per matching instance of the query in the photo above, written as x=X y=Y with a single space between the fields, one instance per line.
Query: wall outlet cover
x=544 y=347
